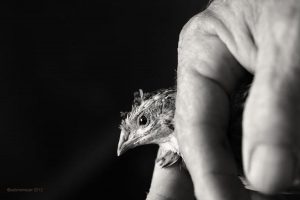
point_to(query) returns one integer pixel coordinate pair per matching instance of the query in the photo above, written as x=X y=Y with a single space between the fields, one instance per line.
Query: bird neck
x=171 y=144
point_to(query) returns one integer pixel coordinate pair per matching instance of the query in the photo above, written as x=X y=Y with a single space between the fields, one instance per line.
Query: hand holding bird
x=216 y=49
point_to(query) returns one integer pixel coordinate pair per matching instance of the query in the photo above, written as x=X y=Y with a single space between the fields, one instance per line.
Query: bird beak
x=125 y=144
x=122 y=146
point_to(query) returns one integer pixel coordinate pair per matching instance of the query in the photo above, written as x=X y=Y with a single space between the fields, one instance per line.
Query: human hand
x=216 y=48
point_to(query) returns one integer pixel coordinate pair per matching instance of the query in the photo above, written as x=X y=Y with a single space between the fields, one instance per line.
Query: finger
x=207 y=73
x=272 y=115
x=171 y=182
x=271 y=126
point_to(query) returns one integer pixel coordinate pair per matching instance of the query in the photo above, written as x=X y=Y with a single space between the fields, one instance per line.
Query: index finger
x=207 y=73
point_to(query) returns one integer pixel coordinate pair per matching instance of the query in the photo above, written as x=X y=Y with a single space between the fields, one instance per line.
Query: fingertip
x=272 y=168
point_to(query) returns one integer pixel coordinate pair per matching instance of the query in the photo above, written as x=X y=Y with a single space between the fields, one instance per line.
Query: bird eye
x=143 y=120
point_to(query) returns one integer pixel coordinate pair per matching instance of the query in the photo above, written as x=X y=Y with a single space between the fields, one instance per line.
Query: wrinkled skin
x=216 y=48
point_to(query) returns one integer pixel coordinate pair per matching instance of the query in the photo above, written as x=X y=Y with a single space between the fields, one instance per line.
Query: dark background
x=66 y=72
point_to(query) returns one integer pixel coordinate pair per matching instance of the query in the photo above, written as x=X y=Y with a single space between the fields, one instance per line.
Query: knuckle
x=195 y=29
x=198 y=24
x=189 y=37
x=191 y=25
x=187 y=41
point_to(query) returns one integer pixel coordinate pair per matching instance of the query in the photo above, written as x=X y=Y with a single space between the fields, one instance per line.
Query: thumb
x=272 y=119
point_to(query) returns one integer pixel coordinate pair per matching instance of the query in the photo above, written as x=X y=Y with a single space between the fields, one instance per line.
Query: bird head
x=149 y=122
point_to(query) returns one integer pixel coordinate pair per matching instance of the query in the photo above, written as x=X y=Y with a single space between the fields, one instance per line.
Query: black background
x=66 y=72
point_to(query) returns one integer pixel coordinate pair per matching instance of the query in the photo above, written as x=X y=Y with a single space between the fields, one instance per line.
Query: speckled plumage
x=158 y=109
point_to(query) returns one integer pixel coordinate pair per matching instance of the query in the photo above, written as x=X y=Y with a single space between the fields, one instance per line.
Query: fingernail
x=271 y=169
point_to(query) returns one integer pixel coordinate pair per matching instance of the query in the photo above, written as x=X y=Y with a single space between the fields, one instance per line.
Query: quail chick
x=151 y=121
